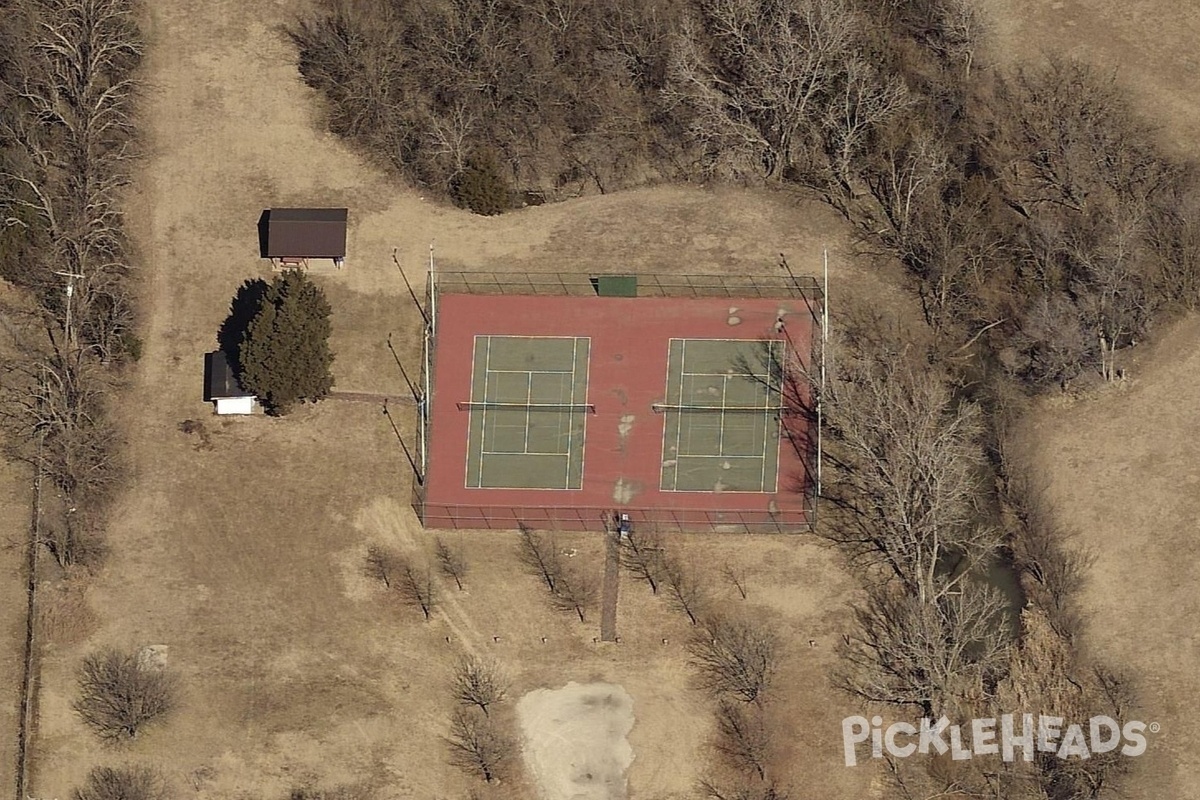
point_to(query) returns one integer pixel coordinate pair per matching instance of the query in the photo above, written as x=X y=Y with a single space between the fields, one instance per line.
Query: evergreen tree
x=284 y=356
x=482 y=187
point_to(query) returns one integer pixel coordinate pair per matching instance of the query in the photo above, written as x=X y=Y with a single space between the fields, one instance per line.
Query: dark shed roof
x=219 y=380
x=306 y=233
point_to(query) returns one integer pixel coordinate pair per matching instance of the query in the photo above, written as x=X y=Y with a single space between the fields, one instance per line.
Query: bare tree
x=735 y=658
x=865 y=101
x=62 y=400
x=383 y=564
x=926 y=655
x=743 y=737
x=756 y=77
x=74 y=540
x=745 y=787
x=737 y=577
x=412 y=582
x=479 y=683
x=1053 y=341
x=642 y=554
x=1173 y=236
x=1055 y=566
x=122 y=783
x=540 y=556
x=451 y=561
x=907 y=459
x=575 y=590
x=962 y=25
x=119 y=695
x=684 y=591
x=417 y=588
x=911 y=168
x=477 y=746
x=1044 y=670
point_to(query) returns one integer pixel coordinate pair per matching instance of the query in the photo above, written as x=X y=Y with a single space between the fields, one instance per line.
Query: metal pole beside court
x=432 y=292
x=427 y=345
x=423 y=406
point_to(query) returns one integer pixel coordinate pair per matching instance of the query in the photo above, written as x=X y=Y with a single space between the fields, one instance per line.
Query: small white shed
x=221 y=386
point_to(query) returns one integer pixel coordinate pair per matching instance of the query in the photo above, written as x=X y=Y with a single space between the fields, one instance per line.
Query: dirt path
x=610 y=587
x=373 y=397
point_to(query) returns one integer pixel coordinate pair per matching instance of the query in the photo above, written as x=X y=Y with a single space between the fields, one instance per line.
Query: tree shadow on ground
x=242 y=308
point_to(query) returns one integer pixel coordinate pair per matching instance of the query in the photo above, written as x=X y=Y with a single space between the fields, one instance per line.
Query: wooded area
x=66 y=140
x=1034 y=211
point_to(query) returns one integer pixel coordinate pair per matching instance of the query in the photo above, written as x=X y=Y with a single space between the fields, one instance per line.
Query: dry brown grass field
x=1148 y=44
x=241 y=549
x=1123 y=467
x=1123 y=474
x=242 y=555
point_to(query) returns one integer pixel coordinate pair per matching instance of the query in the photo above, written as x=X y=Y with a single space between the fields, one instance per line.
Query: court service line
x=571 y=414
x=679 y=420
x=587 y=383
x=528 y=407
x=483 y=423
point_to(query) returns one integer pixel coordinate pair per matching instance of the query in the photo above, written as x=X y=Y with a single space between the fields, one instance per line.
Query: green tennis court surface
x=722 y=416
x=528 y=412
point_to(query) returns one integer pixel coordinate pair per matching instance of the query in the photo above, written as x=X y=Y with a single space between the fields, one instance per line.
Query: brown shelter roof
x=306 y=233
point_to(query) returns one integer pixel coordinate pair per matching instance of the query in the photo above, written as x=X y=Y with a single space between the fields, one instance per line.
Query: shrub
x=482 y=187
x=122 y=783
x=118 y=694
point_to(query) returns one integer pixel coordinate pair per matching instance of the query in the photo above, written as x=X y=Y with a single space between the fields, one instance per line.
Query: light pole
x=70 y=276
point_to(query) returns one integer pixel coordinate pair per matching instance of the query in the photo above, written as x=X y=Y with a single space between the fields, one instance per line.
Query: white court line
x=483 y=417
x=762 y=475
x=777 y=345
x=487 y=368
x=571 y=414
x=534 y=371
x=587 y=384
x=529 y=406
x=667 y=396
x=767 y=410
x=679 y=421
x=528 y=403
x=721 y=427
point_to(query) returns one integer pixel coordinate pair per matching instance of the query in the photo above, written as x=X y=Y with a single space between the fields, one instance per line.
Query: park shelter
x=295 y=235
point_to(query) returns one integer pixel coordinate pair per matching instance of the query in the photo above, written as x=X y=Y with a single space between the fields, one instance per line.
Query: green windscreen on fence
x=616 y=285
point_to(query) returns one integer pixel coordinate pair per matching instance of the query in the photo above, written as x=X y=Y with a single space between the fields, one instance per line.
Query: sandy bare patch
x=575 y=741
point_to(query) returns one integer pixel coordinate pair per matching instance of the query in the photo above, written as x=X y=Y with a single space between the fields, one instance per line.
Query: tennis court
x=528 y=412
x=722 y=410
